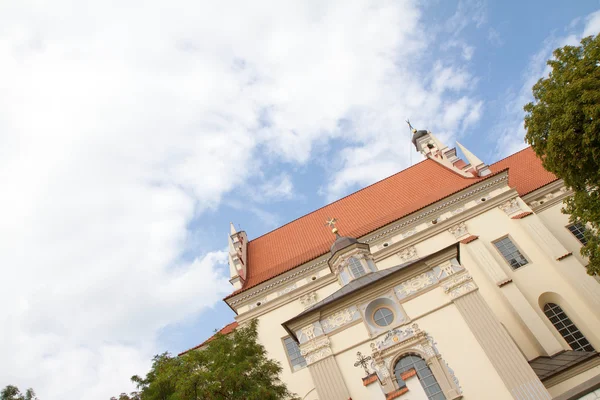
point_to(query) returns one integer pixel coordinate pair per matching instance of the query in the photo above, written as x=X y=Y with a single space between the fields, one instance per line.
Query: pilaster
x=502 y=352
x=511 y=292
x=324 y=370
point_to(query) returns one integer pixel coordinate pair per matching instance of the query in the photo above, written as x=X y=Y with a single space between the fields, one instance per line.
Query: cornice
x=462 y=196
x=414 y=219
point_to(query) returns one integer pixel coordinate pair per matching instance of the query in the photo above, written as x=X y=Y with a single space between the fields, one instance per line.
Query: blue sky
x=131 y=136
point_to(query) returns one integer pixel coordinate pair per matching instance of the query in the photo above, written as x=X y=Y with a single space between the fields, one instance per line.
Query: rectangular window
x=293 y=352
x=511 y=254
x=578 y=231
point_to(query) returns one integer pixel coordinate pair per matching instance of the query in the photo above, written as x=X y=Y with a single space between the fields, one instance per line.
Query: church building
x=452 y=279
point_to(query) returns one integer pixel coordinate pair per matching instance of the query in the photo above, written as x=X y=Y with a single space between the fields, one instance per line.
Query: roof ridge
x=346 y=196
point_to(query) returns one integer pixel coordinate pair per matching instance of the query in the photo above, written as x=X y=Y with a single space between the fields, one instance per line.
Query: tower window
x=356 y=267
x=293 y=352
x=578 y=231
x=430 y=385
x=567 y=328
x=511 y=254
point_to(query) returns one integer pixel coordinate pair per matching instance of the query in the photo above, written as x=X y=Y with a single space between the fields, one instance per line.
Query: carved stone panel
x=511 y=206
x=416 y=284
x=308 y=299
x=459 y=230
x=408 y=254
x=340 y=319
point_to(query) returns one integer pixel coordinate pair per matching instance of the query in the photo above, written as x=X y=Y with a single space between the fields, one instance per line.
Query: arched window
x=430 y=385
x=356 y=267
x=567 y=328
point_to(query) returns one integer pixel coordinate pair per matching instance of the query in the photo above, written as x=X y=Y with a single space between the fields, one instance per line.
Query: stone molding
x=308 y=299
x=316 y=350
x=408 y=254
x=459 y=230
x=511 y=207
x=460 y=285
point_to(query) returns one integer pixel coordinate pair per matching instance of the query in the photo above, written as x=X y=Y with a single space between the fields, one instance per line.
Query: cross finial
x=331 y=222
x=362 y=362
x=413 y=130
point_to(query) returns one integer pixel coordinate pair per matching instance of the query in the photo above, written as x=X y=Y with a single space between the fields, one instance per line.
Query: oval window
x=383 y=316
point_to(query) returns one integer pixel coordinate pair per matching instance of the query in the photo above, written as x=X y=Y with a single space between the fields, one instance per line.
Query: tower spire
x=479 y=166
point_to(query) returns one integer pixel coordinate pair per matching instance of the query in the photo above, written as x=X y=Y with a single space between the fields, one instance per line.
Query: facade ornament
x=309 y=332
x=308 y=299
x=416 y=284
x=459 y=230
x=363 y=362
x=511 y=206
x=339 y=319
x=286 y=290
x=316 y=350
x=460 y=285
x=408 y=254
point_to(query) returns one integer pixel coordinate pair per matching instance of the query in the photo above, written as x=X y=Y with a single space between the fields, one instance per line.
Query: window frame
x=569 y=333
x=580 y=228
x=421 y=379
x=379 y=308
x=289 y=358
x=514 y=243
x=359 y=264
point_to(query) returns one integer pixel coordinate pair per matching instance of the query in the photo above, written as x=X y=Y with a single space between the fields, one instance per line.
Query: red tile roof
x=368 y=209
x=227 y=329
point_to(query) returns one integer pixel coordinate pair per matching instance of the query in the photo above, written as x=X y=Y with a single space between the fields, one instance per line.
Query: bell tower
x=431 y=147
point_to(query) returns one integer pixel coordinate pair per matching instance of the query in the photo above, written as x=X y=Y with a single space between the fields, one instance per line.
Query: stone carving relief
x=511 y=206
x=286 y=290
x=395 y=336
x=340 y=319
x=308 y=299
x=415 y=284
x=316 y=350
x=447 y=268
x=454 y=378
x=460 y=285
x=408 y=254
x=459 y=230
x=309 y=332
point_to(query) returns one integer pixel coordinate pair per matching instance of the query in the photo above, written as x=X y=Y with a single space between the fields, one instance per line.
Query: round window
x=383 y=316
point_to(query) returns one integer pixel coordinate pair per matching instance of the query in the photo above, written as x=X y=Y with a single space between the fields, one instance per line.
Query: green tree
x=11 y=392
x=233 y=366
x=563 y=127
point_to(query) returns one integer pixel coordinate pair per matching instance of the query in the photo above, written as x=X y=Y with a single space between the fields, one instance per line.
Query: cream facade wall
x=516 y=302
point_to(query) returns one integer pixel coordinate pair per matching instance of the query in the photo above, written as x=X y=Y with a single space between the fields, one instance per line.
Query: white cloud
x=510 y=132
x=121 y=124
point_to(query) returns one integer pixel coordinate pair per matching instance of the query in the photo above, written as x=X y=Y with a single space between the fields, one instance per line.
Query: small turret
x=238 y=244
x=431 y=147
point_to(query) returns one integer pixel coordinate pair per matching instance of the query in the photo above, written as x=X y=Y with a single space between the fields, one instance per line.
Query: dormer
x=350 y=259
x=238 y=244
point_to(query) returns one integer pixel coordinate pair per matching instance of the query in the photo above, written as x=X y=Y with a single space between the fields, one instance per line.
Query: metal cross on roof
x=363 y=362
x=331 y=222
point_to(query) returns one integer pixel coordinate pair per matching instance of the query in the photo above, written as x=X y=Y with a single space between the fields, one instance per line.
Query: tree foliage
x=563 y=127
x=11 y=392
x=230 y=366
